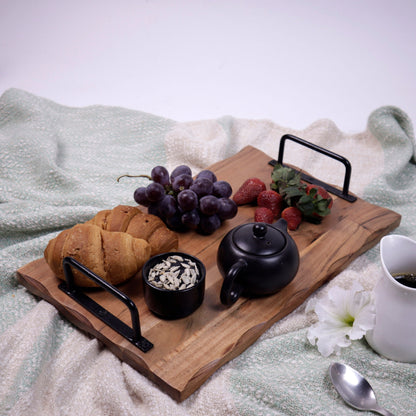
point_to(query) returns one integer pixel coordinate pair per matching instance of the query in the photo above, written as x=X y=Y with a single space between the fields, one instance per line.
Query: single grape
x=202 y=187
x=227 y=209
x=140 y=196
x=208 y=204
x=160 y=175
x=181 y=182
x=191 y=219
x=153 y=209
x=155 y=192
x=175 y=222
x=180 y=170
x=207 y=174
x=187 y=200
x=209 y=223
x=168 y=206
x=222 y=189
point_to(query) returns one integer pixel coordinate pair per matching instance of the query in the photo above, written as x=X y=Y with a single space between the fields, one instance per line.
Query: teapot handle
x=231 y=290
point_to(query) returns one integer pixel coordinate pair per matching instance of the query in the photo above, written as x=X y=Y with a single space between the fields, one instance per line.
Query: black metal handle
x=342 y=194
x=132 y=334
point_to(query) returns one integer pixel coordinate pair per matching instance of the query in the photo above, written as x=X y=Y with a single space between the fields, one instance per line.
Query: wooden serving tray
x=187 y=351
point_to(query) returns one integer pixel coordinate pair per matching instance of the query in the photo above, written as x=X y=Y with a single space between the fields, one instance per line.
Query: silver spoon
x=355 y=389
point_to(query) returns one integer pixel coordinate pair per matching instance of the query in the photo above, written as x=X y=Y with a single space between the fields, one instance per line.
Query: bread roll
x=114 y=256
x=132 y=220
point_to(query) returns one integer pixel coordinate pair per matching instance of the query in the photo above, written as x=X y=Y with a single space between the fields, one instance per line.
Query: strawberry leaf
x=305 y=204
x=284 y=177
x=292 y=194
x=287 y=182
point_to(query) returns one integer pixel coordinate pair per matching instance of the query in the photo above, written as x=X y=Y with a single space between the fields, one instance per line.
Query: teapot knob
x=259 y=230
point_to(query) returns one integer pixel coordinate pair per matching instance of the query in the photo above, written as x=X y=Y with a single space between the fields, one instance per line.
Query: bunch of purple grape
x=183 y=202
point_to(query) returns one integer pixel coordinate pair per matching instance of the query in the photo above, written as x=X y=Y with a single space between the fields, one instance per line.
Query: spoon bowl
x=355 y=389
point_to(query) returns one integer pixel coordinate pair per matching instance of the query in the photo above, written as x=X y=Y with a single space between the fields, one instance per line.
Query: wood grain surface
x=187 y=351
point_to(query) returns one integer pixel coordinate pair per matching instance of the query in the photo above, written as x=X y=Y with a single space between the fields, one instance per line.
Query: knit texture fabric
x=58 y=167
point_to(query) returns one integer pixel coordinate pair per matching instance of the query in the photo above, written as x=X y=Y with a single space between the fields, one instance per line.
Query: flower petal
x=343 y=316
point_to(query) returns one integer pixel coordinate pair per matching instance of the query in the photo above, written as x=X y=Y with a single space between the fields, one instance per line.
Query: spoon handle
x=382 y=411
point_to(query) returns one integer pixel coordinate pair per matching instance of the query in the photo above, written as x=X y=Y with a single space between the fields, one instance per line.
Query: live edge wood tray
x=187 y=351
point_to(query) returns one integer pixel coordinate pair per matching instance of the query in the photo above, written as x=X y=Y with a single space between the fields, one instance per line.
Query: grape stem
x=134 y=176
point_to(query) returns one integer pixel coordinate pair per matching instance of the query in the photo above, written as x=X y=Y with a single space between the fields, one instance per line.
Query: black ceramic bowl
x=170 y=300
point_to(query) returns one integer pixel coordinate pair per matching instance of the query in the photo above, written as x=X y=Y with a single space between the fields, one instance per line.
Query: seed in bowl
x=174 y=273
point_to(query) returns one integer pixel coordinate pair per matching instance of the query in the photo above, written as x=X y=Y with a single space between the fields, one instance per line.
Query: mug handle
x=231 y=290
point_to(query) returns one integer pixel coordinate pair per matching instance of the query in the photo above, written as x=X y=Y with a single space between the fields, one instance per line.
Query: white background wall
x=291 y=61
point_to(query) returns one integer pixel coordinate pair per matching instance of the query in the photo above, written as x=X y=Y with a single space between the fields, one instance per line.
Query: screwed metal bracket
x=133 y=334
x=342 y=194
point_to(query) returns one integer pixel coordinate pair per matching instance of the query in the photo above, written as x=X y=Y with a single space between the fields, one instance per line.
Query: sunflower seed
x=176 y=257
x=170 y=275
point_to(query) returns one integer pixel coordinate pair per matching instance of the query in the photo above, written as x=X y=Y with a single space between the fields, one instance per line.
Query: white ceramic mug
x=394 y=334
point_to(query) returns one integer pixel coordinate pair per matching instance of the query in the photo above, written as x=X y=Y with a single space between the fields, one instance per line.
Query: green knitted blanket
x=58 y=167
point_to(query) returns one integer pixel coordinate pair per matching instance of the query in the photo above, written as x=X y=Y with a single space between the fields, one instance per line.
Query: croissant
x=138 y=224
x=114 y=256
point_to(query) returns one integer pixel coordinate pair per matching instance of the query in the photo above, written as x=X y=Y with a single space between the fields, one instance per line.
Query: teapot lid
x=259 y=239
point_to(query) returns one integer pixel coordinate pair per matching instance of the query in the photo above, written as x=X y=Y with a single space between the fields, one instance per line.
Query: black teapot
x=256 y=259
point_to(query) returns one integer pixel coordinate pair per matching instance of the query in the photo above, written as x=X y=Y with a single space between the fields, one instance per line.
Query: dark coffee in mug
x=406 y=279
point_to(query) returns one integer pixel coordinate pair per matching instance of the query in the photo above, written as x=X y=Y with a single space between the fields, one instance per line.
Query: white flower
x=344 y=316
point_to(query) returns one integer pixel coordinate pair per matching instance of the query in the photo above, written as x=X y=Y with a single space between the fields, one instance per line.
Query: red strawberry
x=263 y=214
x=272 y=200
x=293 y=216
x=249 y=191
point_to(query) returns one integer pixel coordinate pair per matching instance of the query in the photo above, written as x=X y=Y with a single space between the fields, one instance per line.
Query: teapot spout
x=280 y=224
